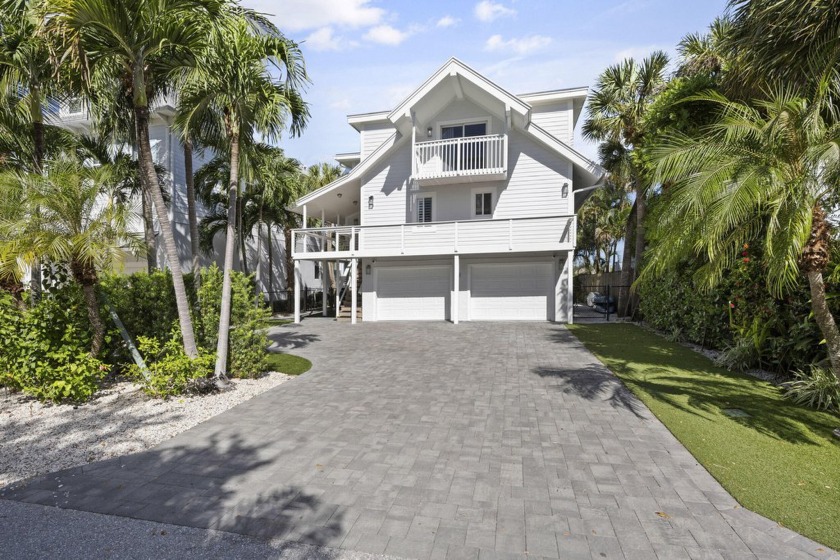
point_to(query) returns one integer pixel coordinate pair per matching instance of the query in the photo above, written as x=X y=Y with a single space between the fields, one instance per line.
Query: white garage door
x=412 y=293
x=511 y=291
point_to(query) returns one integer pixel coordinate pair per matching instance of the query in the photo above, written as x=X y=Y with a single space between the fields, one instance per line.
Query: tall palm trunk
x=814 y=260
x=241 y=228
x=149 y=179
x=290 y=262
x=641 y=214
x=39 y=148
x=220 y=371
x=626 y=263
x=149 y=231
x=191 y=209
x=86 y=276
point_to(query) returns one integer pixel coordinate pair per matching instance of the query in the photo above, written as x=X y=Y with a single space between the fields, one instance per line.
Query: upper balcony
x=461 y=160
x=468 y=237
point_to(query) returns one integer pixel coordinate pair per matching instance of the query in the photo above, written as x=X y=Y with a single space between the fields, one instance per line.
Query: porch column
x=354 y=272
x=297 y=291
x=570 y=296
x=337 y=288
x=325 y=284
x=457 y=288
x=303 y=225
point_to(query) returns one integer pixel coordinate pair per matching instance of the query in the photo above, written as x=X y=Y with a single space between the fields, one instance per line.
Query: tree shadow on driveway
x=221 y=484
x=593 y=384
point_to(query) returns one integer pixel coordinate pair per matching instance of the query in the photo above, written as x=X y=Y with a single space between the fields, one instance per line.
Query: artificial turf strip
x=288 y=363
x=782 y=461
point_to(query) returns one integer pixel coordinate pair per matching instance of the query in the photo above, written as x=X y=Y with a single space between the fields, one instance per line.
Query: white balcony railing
x=461 y=157
x=555 y=233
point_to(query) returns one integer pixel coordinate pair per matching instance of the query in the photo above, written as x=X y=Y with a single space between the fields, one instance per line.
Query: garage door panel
x=511 y=291
x=412 y=293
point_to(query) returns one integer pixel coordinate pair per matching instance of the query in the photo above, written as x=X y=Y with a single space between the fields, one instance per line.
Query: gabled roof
x=586 y=173
x=455 y=67
x=356 y=173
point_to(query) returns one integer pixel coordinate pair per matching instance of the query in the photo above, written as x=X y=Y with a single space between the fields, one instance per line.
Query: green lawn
x=288 y=363
x=782 y=461
x=278 y=322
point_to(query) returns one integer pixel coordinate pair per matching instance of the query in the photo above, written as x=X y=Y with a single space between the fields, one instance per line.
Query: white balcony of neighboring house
x=467 y=237
x=461 y=160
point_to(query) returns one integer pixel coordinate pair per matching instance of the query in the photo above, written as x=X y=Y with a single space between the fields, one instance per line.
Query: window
x=317 y=271
x=466 y=155
x=484 y=204
x=424 y=208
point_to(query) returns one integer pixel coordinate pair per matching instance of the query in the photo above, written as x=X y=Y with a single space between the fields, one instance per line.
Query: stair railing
x=346 y=281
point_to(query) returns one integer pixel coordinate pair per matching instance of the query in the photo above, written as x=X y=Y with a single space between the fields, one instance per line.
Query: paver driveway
x=436 y=440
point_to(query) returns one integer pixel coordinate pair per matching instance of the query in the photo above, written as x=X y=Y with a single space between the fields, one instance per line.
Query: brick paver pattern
x=433 y=440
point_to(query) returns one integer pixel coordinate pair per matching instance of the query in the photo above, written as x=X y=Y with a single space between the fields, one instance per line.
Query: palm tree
x=705 y=54
x=617 y=110
x=25 y=70
x=80 y=222
x=143 y=43
x=787 y=43
x=232 y=96
x=766 y=171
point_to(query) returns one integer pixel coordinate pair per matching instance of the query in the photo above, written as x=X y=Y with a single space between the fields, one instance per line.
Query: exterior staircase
x=345 y=307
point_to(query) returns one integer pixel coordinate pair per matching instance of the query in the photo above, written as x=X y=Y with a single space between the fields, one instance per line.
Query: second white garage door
x=511 y=291
x=412 y=293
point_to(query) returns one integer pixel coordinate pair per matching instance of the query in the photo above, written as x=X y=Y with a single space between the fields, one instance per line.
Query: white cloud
x=297 y=15
x=639 y=53
x=324 y=40
x=486 y=10
x=446 y=21
x=386 y=35
x=520 y=46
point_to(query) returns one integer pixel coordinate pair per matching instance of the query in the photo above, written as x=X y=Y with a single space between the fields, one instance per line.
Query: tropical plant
x=789 y=44
x=231 y=96
x=71 y=216
x=767 y=172
x=25 y=71
x=617 y=109
x=143 y=44
x=818 y=388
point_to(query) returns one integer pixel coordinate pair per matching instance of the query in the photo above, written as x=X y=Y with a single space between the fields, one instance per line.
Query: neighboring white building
x=459 y=206
x=168 y=152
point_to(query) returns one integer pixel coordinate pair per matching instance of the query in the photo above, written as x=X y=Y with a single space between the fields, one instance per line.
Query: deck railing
x=474 y=155
x=437 y=238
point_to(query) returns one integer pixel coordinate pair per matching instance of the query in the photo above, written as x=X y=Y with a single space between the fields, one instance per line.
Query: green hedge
x=739 y=317
x=45 y=346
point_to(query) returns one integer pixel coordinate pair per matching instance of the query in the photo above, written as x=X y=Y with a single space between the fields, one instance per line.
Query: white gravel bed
x=39 y=438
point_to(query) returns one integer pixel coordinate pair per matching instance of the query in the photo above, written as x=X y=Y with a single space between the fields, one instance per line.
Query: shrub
x=45 y=349
x=817 y=388
x=170 y=371
x=145 y=304
x=248 y=342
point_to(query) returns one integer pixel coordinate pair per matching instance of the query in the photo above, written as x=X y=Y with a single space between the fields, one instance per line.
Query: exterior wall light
x=565 y=190
x=429 y=132
x=367 y=270
x=370 y=202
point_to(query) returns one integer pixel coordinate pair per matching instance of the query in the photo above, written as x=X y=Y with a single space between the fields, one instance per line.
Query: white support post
x=325 y=277
x=457 y=288
x=570 y=296
x=354 y=272
x=337 y=286
x=297 y=291
x=402 y=239
x=305 y=237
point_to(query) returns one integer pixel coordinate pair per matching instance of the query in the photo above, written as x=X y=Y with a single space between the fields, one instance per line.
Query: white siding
x=535 y=183
x=388 y=184
x=373 y=135
x=556 y=119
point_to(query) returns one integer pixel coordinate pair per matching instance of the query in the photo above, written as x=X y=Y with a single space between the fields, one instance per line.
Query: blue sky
x=367 y=55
